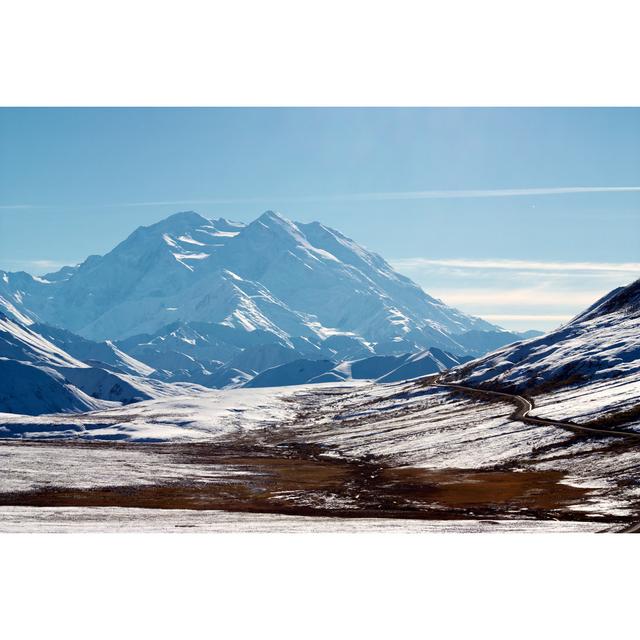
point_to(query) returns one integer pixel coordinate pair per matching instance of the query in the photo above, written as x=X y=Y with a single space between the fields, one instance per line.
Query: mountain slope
x=104 y=354
x=587 y=371
x=31 y=390
x=32 y=379
x=19 y=342
x=601 y=343
x=379 y=368
x=420 y=364
x=38 y=376
x=296 y=372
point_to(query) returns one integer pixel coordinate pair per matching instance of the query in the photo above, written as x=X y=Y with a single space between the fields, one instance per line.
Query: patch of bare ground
x=297 y=479
x=618 y=419
x=540 y=388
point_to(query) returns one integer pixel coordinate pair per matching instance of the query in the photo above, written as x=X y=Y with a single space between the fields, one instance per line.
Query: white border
x=318 y=586
x=336 y=52
x=330 y=53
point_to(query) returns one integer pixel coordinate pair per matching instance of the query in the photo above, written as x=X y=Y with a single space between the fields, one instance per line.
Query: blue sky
x=523 y=216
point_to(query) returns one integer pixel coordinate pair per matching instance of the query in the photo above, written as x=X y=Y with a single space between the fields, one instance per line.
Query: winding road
x=525 y=406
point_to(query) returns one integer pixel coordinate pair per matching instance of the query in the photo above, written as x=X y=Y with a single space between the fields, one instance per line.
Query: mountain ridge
x=273 y=273
x=216 y=302
x=39 y=376
x=600 y=343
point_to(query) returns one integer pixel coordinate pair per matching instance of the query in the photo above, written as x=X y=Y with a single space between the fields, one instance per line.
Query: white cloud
x=47 y=264
x=504 y=317
x=522 y=265
x=410 y=195
x=370 y=196
x=518 y=293
x=397 y=195
x=525 y=297
x=37 y=267
x=487 y=193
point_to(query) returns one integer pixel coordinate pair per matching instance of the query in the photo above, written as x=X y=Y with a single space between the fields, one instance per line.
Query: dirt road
x=524 y=406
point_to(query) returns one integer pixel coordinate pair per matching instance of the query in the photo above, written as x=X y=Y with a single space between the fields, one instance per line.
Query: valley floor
x=361 y=457
x=124 y=520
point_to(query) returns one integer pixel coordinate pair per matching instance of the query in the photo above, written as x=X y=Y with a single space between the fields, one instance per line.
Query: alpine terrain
x=214 y=302
x=346 y=398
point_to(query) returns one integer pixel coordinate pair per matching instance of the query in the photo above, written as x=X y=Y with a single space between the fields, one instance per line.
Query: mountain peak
x=272 y=216
x=620 y=299
x=183 y=217
x=175 y=223
x=275 y=223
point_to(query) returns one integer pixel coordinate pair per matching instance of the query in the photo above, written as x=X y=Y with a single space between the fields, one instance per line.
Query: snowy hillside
x=600 y=343
x=26 y=389
x=103 y=354
x=379 y=368
x=588 y=370
x=37 y=376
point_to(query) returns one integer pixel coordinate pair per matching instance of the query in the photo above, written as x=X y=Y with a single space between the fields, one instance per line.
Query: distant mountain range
x=47 y=370
x=216 y=303
x=36 y=376
x=379 y=368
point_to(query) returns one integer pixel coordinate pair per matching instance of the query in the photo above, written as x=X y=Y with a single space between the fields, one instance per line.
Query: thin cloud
x=531 y=293
x=395 y=195
x=47 y=264
x=526 y=317
x=353 y=197
x=39 y=265
x=523 y=297
x=489 y=193
x=521 y=265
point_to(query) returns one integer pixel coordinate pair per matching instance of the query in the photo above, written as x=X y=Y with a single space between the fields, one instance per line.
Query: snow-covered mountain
x=38 y=376
x=290 y=280
x=213 y=355
x=216 y=303
x=602 y=343
x=103 y=354
x=379 y=368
